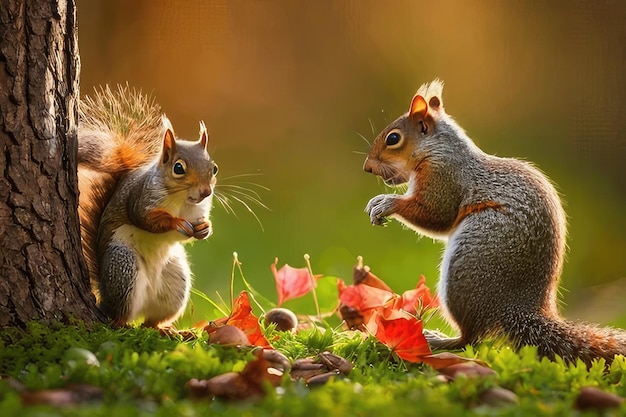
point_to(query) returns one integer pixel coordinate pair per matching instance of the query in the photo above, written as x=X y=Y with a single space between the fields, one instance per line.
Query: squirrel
x=504 y=228
x=143 y=193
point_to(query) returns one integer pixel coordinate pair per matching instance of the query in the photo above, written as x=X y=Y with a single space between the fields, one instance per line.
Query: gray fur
x=117 y=281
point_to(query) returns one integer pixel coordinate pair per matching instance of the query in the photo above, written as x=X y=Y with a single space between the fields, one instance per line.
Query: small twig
x=313 y=284
x=232 y=279
x=251 y=291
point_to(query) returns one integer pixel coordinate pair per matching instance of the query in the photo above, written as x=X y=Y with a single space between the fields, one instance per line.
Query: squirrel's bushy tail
x=570 y=340
x=119 y=130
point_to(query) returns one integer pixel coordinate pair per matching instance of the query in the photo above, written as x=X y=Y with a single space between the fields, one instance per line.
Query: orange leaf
x=404 y=337
x=362 y=301
x=420 y=297
x=292 y=282
x=394 y=309
x=370 y=305
x=364 y=297
x=243 y=318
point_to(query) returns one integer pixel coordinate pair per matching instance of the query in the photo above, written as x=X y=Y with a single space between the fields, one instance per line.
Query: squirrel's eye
x=215 y=169
x=393 y=139
x=178 y=170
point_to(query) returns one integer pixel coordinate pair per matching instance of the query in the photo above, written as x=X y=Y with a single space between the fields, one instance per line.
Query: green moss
x=143 y=373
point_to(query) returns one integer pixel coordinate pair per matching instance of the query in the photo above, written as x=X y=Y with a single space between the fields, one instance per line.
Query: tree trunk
x=42 y=272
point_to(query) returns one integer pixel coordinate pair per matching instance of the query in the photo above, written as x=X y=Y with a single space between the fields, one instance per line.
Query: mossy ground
x=144 y=373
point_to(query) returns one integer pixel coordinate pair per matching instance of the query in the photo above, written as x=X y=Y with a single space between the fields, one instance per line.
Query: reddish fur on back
x=95 y=191
x=475 y=208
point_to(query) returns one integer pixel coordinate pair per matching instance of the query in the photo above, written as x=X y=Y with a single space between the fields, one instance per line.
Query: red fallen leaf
x=292 y=282
x=404 y=336
x=364 y=297
x=392 y=310
x=370 y=304
x=242 y=317
x=370 y=295
x=362 y=301
x=418 y=300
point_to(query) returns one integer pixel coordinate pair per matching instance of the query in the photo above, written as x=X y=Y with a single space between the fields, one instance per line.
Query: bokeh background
x=289 y=90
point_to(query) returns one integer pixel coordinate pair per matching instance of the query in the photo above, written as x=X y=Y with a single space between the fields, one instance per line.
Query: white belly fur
x=155 y=251
x=448 y=252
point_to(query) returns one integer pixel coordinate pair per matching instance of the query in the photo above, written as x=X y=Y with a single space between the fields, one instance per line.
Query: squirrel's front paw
x=202 y=229
x=185 y=228
x=380 y=207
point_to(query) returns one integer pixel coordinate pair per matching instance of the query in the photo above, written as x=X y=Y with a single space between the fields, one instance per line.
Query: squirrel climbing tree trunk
x=42 y=272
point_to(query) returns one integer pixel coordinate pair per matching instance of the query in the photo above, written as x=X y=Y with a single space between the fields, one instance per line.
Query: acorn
x=226 y=335
x=284 y=319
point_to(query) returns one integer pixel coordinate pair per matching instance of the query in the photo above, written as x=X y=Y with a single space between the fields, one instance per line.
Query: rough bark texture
x=42 y=272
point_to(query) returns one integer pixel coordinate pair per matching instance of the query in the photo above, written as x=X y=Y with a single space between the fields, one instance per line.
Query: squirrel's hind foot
x=439 y=341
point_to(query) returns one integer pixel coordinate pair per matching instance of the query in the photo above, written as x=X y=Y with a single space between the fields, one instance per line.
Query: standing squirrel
x=504 y=227
x=142 y=194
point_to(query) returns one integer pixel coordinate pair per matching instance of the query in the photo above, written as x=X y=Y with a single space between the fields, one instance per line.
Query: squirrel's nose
x=205 y=192
x=199 y=194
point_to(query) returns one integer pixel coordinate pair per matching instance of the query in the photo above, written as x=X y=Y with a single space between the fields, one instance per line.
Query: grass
x=144 y=373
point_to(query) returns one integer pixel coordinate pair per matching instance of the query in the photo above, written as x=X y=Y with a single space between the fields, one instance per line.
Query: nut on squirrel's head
x=188 y=166
x=395 y=151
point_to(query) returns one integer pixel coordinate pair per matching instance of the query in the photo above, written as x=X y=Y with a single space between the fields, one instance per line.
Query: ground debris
x=317 y=371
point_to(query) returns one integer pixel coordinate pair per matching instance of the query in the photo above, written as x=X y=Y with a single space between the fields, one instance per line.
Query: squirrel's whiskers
x=244 y=193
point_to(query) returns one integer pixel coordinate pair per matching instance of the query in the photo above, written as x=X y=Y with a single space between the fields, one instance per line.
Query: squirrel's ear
x=169 y=146
x=166 y=122
x=204 y=135
x=434 y=102
x=418 y=106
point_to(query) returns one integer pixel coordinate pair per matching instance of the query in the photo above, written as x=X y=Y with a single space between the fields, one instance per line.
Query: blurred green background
x=289 y=88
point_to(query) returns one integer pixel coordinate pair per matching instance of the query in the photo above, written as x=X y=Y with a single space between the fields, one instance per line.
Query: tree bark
x=42 y=272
